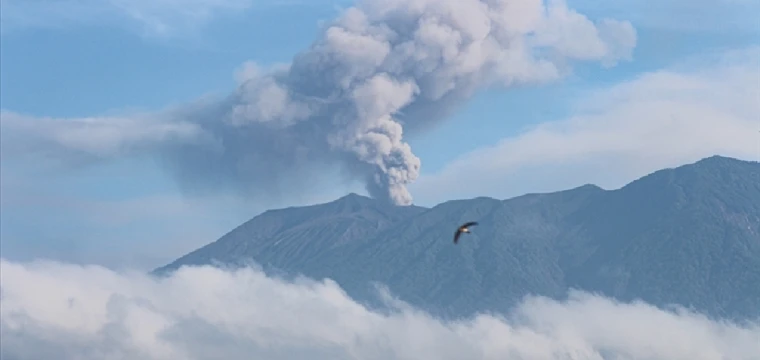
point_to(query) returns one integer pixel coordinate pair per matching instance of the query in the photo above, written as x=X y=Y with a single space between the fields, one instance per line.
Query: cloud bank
x=707 y=105
x=381 y=70
x=63 y=311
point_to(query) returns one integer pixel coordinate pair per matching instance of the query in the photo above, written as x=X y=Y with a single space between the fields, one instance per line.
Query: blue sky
x=692 y=78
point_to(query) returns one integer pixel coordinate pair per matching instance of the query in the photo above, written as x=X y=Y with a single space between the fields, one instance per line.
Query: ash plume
x=340 y=100
x=382 y=70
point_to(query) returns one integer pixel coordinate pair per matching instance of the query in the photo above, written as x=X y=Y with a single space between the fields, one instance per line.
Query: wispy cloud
x=154 y=18
x=87 y=312
x=141 y=231
x=45 y=216
x=93 y=138
x=728 y=17
x=705 y=106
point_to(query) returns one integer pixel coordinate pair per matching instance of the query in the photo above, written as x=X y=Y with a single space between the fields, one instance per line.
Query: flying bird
x=463 y=229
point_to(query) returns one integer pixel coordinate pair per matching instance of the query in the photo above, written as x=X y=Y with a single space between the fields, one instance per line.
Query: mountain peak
x=717 y=162
x=352 y=197
x=717 y=158
x=353 y=201
x=706 y=170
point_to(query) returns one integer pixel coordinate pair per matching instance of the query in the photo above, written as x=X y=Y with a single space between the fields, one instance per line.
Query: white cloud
x=87 y=312
x=706 y=106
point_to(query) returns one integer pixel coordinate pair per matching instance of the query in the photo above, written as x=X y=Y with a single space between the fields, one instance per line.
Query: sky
x=133 y=132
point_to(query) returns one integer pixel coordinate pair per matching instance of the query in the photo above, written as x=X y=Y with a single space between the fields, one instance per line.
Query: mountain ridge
x=688 y=235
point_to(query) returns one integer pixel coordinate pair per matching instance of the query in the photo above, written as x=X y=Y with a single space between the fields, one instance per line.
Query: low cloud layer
x=380 y=71
x=708 y=105
x=62 y=311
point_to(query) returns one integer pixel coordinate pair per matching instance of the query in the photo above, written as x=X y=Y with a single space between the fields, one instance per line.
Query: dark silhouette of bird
x=463 y=229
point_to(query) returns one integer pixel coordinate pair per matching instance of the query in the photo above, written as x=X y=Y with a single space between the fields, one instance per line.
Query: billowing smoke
x=382 y=70
x=341 y=98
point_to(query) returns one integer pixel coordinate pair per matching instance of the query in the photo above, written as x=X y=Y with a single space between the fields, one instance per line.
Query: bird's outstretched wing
x=457 y=235
x=468 y=224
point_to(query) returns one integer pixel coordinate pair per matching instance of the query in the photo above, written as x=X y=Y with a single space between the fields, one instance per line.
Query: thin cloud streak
x=727 y=17
x=167 y=19
x=44 y=216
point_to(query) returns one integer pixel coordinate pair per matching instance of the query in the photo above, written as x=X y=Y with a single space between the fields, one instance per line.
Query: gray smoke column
x=341 y=102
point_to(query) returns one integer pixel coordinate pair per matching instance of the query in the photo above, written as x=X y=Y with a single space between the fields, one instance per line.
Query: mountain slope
x=285 y=237
x=689 y=235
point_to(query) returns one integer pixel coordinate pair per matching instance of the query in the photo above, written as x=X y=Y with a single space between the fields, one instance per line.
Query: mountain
x=688 y=235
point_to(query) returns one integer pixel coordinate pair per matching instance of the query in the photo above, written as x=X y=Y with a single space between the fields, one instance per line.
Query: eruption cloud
x=341 y=103
x=382 y=56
